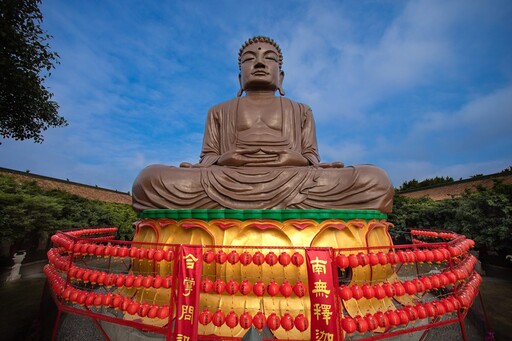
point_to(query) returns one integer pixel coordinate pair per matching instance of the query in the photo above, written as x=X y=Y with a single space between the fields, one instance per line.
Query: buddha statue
x=260 y=152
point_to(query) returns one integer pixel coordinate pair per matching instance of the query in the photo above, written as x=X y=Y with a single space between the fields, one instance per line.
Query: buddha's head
x=259 y=61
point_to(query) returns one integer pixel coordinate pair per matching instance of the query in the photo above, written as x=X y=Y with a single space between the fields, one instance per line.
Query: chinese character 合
x=321 y=289
x=188 y=283
x=190 y=261
x=318 y=266
x=323 y=310
x=187 y=313
x=320 y=335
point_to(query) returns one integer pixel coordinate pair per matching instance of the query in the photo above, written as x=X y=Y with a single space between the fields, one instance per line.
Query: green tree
x=26 y=60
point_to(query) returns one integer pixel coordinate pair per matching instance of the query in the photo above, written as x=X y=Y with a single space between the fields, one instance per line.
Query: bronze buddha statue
x=260 y=152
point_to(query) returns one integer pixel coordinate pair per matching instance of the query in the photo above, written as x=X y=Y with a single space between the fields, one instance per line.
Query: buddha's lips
x=259 y=73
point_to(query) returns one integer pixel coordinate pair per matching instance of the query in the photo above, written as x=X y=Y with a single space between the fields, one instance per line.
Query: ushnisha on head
x=260 y=60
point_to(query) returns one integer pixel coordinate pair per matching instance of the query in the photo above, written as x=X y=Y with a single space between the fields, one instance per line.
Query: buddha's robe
x=214 y=186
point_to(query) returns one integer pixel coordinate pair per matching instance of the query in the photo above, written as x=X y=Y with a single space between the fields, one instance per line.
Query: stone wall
x=85 y=191
x=456 y=188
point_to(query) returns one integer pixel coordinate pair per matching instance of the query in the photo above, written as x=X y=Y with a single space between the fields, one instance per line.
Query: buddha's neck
x=260 y=94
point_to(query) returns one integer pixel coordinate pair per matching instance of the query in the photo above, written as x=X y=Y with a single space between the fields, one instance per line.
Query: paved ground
x=21 y=302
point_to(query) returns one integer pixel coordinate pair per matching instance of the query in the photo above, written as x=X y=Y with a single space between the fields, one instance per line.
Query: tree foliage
x=27 y=209
x=414 y=184
x=26 y=60
x=484 y=215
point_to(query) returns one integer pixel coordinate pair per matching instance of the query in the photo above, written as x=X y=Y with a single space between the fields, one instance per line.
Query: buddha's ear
x=280 y=85
x=241 y=90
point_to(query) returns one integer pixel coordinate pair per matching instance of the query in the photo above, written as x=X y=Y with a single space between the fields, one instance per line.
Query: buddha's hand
x=286 y=157
x=336 y=164
x=243 y=157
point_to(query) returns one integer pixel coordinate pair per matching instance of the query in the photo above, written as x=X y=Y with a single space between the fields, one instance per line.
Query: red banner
x=187 y=312
x=322 y=293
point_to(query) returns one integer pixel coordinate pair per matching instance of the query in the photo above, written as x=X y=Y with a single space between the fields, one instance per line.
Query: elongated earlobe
x=241 y=90
x=281 y=91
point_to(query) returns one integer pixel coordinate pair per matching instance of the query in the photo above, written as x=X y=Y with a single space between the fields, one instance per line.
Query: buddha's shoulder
x=232 y=104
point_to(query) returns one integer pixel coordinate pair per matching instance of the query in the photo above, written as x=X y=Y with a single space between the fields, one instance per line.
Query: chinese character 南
x=318 y=266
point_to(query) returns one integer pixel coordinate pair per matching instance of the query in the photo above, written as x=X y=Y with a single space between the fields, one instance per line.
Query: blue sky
x=419 y=88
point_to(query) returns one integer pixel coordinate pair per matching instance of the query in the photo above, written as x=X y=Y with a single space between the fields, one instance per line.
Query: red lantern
x=273 y=288
x=393 y=318
x=271 y=258
x=258 y=258
x=167 y=282
x=245 y=258
x=361 y=324
x=284 y=259
x=245 y=287
x=208 y=257
x=232 y=319
x=168 y=255
x=147 y=282
x=410 y=288
x=427 y=284
x=420 y=255
x=383 y=258
x=301 y=322
x=273 y=321
x=363 y=259
x=422 y=312
x=81 y=298
x=98 y=300
x=157 y=283
x=353 y=261
x=436 y=283
x=402 y=314
x=342 y=261
x=388 y=289
x=123 y=252
x=134 y=252
x=153 y=311
x=132 y=308
x=233 y=257
x=259 y=288
x=412 y=313
x=259 y=321
x=246 y=320
x=163 y=312
x=143 y=310
x=232 y=287
x=94 y=277
x=357 y=292
x=219 y=286
x=299 y=289
x=373 y=259
x=438 y=256
x=429 y=256
x=392 y=258
x=443 y=279
x=286 y=289
x=399 y=289
x=89 y=301
x=107 y=299
x=368 y=291
x=116 y=301
x=137 y=282
x=349 y=325
x=159 y=255
x=287 y=322
x=441 y=309
x=380 y=293
x=218 y=318
x=345 y=292
x=431 y=311
x=205 y=317
x=372 y=322
x=221 y=257
x=297 y=259
x=382 y=319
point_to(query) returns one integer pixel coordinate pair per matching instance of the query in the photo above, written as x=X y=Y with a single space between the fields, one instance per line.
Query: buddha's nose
x=259 y=64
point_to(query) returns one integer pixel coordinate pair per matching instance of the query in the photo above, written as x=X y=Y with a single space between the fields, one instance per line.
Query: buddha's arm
x=308 y=137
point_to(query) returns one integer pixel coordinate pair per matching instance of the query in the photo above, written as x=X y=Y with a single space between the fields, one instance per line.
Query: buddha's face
x=259 y=69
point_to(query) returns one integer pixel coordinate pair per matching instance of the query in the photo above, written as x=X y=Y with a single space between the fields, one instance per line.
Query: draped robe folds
x=214 y=186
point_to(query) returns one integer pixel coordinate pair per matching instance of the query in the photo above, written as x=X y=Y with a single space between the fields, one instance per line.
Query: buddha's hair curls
x=260 y=39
